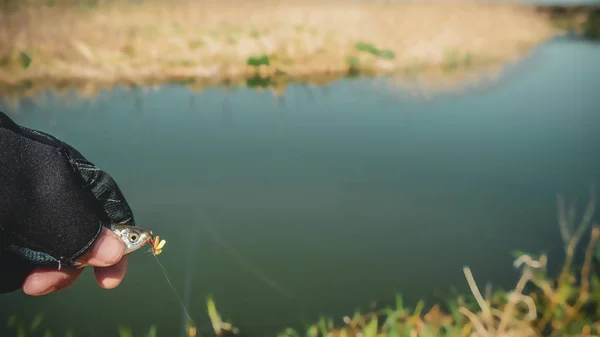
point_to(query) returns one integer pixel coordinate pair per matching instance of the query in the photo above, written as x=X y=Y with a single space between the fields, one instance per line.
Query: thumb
x=107 y=250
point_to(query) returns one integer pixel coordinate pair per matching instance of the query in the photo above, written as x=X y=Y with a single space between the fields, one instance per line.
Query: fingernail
x=109 y=249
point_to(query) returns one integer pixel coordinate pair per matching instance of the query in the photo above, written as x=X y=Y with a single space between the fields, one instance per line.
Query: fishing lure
x=157 y=245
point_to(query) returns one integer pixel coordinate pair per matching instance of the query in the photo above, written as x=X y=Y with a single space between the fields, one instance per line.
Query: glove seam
x=63 y=259
x=29 y=243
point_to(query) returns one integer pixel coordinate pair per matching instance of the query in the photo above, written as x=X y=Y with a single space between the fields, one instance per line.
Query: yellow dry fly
x=157 y=245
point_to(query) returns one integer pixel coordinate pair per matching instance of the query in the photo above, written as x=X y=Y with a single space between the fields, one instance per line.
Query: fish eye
x=133 y=236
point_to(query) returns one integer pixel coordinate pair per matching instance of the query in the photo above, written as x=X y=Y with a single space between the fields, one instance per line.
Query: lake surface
x=340 y=194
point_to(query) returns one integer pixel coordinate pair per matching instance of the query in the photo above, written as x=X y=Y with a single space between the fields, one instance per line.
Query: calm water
x=341 y=196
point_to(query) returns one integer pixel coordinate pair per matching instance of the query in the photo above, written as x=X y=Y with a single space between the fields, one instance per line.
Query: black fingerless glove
x=53 y=203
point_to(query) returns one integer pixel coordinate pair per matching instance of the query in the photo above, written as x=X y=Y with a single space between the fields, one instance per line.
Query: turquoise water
x=341 y=194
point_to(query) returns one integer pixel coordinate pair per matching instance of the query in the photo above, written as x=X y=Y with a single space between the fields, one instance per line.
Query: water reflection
x=344 y=195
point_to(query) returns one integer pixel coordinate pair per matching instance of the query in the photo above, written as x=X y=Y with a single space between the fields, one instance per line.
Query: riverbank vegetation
x=540 y=304
x=584 y=21
x=96 y=44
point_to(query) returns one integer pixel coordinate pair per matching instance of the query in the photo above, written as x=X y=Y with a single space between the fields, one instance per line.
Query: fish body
x=133 y=237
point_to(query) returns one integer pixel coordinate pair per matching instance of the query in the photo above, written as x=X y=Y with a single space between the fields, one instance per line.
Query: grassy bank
x=57 y=43
x=540 y=304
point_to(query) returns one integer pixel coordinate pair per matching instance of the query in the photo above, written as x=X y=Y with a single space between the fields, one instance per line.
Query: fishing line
x=188 y=277
x=174 y=290
x=264 y=278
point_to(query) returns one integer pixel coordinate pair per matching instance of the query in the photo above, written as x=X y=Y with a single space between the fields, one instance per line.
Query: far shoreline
x=211 y=44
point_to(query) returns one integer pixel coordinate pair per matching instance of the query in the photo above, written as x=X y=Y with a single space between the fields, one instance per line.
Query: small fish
x=133 y=237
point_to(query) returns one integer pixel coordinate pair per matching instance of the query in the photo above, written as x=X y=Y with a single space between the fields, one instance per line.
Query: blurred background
x=307 y=158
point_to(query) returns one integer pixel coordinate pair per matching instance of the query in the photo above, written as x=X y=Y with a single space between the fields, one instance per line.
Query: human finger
x=106 y=251
x=110 y=277
x=42 y=281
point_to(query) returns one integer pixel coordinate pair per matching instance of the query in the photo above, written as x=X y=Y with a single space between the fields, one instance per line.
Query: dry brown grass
x=210 y=41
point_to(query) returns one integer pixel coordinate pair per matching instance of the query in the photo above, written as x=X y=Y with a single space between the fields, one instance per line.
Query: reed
x=58 y=43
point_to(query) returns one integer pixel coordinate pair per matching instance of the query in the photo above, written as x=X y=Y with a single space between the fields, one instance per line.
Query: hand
x=55 y=209
x=106 y=256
